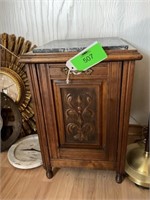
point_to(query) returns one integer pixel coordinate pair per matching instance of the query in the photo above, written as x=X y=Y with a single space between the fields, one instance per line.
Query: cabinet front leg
x=49 y=173
x=119 y=177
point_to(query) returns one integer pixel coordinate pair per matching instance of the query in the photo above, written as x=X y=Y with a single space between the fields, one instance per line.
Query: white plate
x=25 y=154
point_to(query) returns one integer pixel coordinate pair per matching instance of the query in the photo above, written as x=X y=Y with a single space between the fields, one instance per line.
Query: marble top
x=80 y=44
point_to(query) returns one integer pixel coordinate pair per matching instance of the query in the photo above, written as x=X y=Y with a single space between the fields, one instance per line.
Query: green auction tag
x=87 y=58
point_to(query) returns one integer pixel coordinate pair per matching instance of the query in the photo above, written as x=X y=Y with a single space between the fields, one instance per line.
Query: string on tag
x=67 y=79
x=8 y=50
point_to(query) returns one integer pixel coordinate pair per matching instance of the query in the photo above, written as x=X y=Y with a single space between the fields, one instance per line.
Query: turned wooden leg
x=119 y=177
x=49 y=173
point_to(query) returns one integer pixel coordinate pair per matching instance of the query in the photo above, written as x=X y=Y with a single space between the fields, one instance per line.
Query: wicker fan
x=15 y=46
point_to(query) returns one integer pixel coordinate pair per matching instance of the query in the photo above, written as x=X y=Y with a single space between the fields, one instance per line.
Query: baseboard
x=135 y=133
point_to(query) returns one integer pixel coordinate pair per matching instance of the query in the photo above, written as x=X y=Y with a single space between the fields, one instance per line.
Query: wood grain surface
x=41 y=21
x=67 y=184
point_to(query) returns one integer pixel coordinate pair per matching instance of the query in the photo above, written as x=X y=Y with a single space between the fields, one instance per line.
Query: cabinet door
x=87 y=113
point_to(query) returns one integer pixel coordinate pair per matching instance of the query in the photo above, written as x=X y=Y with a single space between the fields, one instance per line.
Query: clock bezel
x=12 y=48
x=17 y=80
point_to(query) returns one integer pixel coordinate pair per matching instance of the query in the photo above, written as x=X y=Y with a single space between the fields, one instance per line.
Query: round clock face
x=25 y=154
x=10 y=84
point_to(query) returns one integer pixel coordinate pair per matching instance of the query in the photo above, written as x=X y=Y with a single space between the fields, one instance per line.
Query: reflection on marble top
x=80 y=44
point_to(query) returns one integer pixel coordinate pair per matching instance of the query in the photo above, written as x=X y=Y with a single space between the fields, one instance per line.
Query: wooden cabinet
x=83 y=123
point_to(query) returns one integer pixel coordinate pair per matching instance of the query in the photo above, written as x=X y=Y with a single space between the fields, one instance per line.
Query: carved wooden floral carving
x=79 y=115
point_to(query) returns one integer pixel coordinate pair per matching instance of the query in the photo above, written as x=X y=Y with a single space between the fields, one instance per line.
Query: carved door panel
x=83 y=118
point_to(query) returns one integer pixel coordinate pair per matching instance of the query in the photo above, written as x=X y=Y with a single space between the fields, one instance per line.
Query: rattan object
x=11 y=49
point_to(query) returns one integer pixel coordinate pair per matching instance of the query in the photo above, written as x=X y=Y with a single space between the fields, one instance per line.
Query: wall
x=41 y=21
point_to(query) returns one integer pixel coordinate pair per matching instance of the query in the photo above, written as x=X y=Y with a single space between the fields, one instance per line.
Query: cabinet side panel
x=48 y=104
x=38 y=109
x=126 y=94
x=114 y=107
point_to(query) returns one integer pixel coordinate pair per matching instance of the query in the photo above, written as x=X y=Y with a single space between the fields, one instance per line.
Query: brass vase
x=138 y=162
